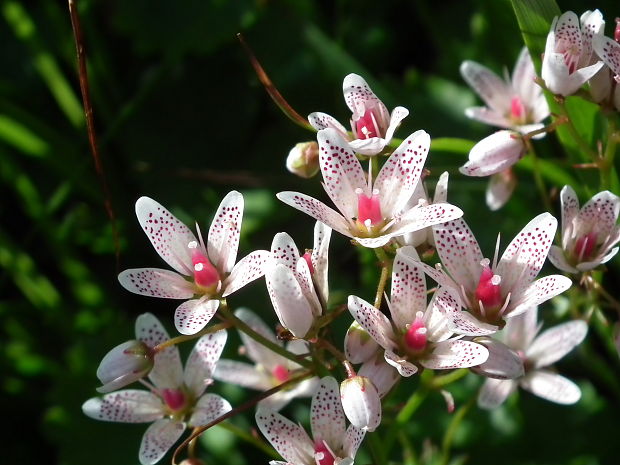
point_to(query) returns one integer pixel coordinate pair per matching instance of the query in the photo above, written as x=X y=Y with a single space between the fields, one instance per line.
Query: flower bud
x=503 y=362
x=126 y=363
x=494 y=154
x=358 y=345
x=361 y=402
x=303 y=159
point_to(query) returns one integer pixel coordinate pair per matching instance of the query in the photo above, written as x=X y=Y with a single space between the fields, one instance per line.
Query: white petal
x=554 y=343
x=193 y=315
x=223 y=238
x=552 y=387
x=404 y=367
x=201 y=362
x=359 y=346
x=592 y=24
x=256 y=351
x=167 y=369
x=459 y=252
x=523 y=79
x=317 y=210
x=488 y=116
x=291 y=306
x=155 y=282
x=503 y=362
x=326 y=414
x=369 y=147
x=538 y=292
x=398 y=114
x=320 y=121
x=441 y=188
x=494 y=392
x=382 y=374
x=600 y=213
x=158 y=439
x=494 y=154
x=446 y=305
x=128 y=406
x=168 y=235
x=242 y=374
x=208 y=408
x=408 y=295
x=401 y=172
x=358 y=96
x=500 y=188
x=373 y=321
x=341 y=170
x=280 y=399
x=361 y=402
x=289 y=439
x=493 y=90
x=285 y=250
x=455 y=354
x=249 y=268
x=352 y=441
x=557 y=258
x=320 y=262
x=525 y=255
x=424 y=216
x=520 y=330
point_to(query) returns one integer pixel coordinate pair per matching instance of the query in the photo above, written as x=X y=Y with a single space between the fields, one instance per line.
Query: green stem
x=180 y=339
x=454 y=424
x=274 y=347
x=377 y=450
x=440 y=381
x=386 y=265
x=247 y=437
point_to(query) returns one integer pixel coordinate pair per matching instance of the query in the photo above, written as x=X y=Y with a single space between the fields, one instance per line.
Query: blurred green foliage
x=181 y=117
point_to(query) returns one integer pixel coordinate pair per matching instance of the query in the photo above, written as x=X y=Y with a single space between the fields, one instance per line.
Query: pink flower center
x=368 y=208
x=205 y=274
x=308 y=258
x=585 y=246
x=489 y=291
x=415 y=337
x=366 y=126
x=323 y=455
x=517 y=109
x=617 y=30
x=281 y=373
x=174 y=398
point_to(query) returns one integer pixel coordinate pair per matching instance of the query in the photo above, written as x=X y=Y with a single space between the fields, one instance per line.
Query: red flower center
x=281 y=373
x=323 y=455
x=489 y=291
x=415 y=337
x=308 y=258
x=368 y=208
x=366 y=126
x=205 y=274
x=585 y=246
x=174 y=399
x=517 y=109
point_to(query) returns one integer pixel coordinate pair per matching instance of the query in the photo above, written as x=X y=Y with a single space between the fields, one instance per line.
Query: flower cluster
x=481 y=318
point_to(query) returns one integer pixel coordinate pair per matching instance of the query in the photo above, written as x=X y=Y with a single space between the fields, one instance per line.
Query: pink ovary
x=281 y=373
x=369 y=208
x=205 y=274
x=517 y=109
x=323 y=455
x=308 y=258
x=585 y=246
x=366 y=126
x=174 y=398
x=415 y=337
x=489 y=291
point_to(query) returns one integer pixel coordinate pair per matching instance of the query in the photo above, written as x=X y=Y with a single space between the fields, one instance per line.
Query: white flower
x=494 y=154
x=568 y=52
x=589 y=234
x=269 y=369
x=297 y=284
x=516 y=103
x=417 y=335
x=331 y=442
x=361 y=402
x=537 y=352
x=604 y=86
x=372 y=125
x=177 y=399
x=494 y=292
x=371 y=212
x=210 y=267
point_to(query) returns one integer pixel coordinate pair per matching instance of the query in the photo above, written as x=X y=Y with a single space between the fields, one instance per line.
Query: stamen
x=308 y=258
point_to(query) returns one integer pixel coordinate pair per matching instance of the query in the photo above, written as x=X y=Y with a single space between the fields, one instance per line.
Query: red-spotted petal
x=492 y=89
x=127 y=406
x=552 y=387
x=168 y=235
x=317 y=210
x=155 y=282
x=255 y=351
x=285 y=250
x=401 y=172
x=320 y=121
x=536 y=293
x=193 y=315
x=554 y=343
x=609 y=51
x=455 y=354
x=319 y=257
x=494 y=392
x=208 y=408
x=202 y=360
x=289 y=439
x=249 y=268
x=373 y=321
x=223 y=239
x=359 y=97
x=404 y=367
x=326 y=415
x=158 y=440
x=408 y=295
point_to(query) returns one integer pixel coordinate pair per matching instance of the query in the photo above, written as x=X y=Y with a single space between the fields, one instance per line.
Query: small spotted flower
x=297 y=284
x=332 y=443
x=517 y=104
x=372 y=125
x=537 y=353
x=494 y=292
x=371 y=212
x=417 y=336
x=588 y=235
x=176 y=399
x=204 y=273
x=567 y=63
x=269 y=369
x=603 y=86
x=132 y=360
